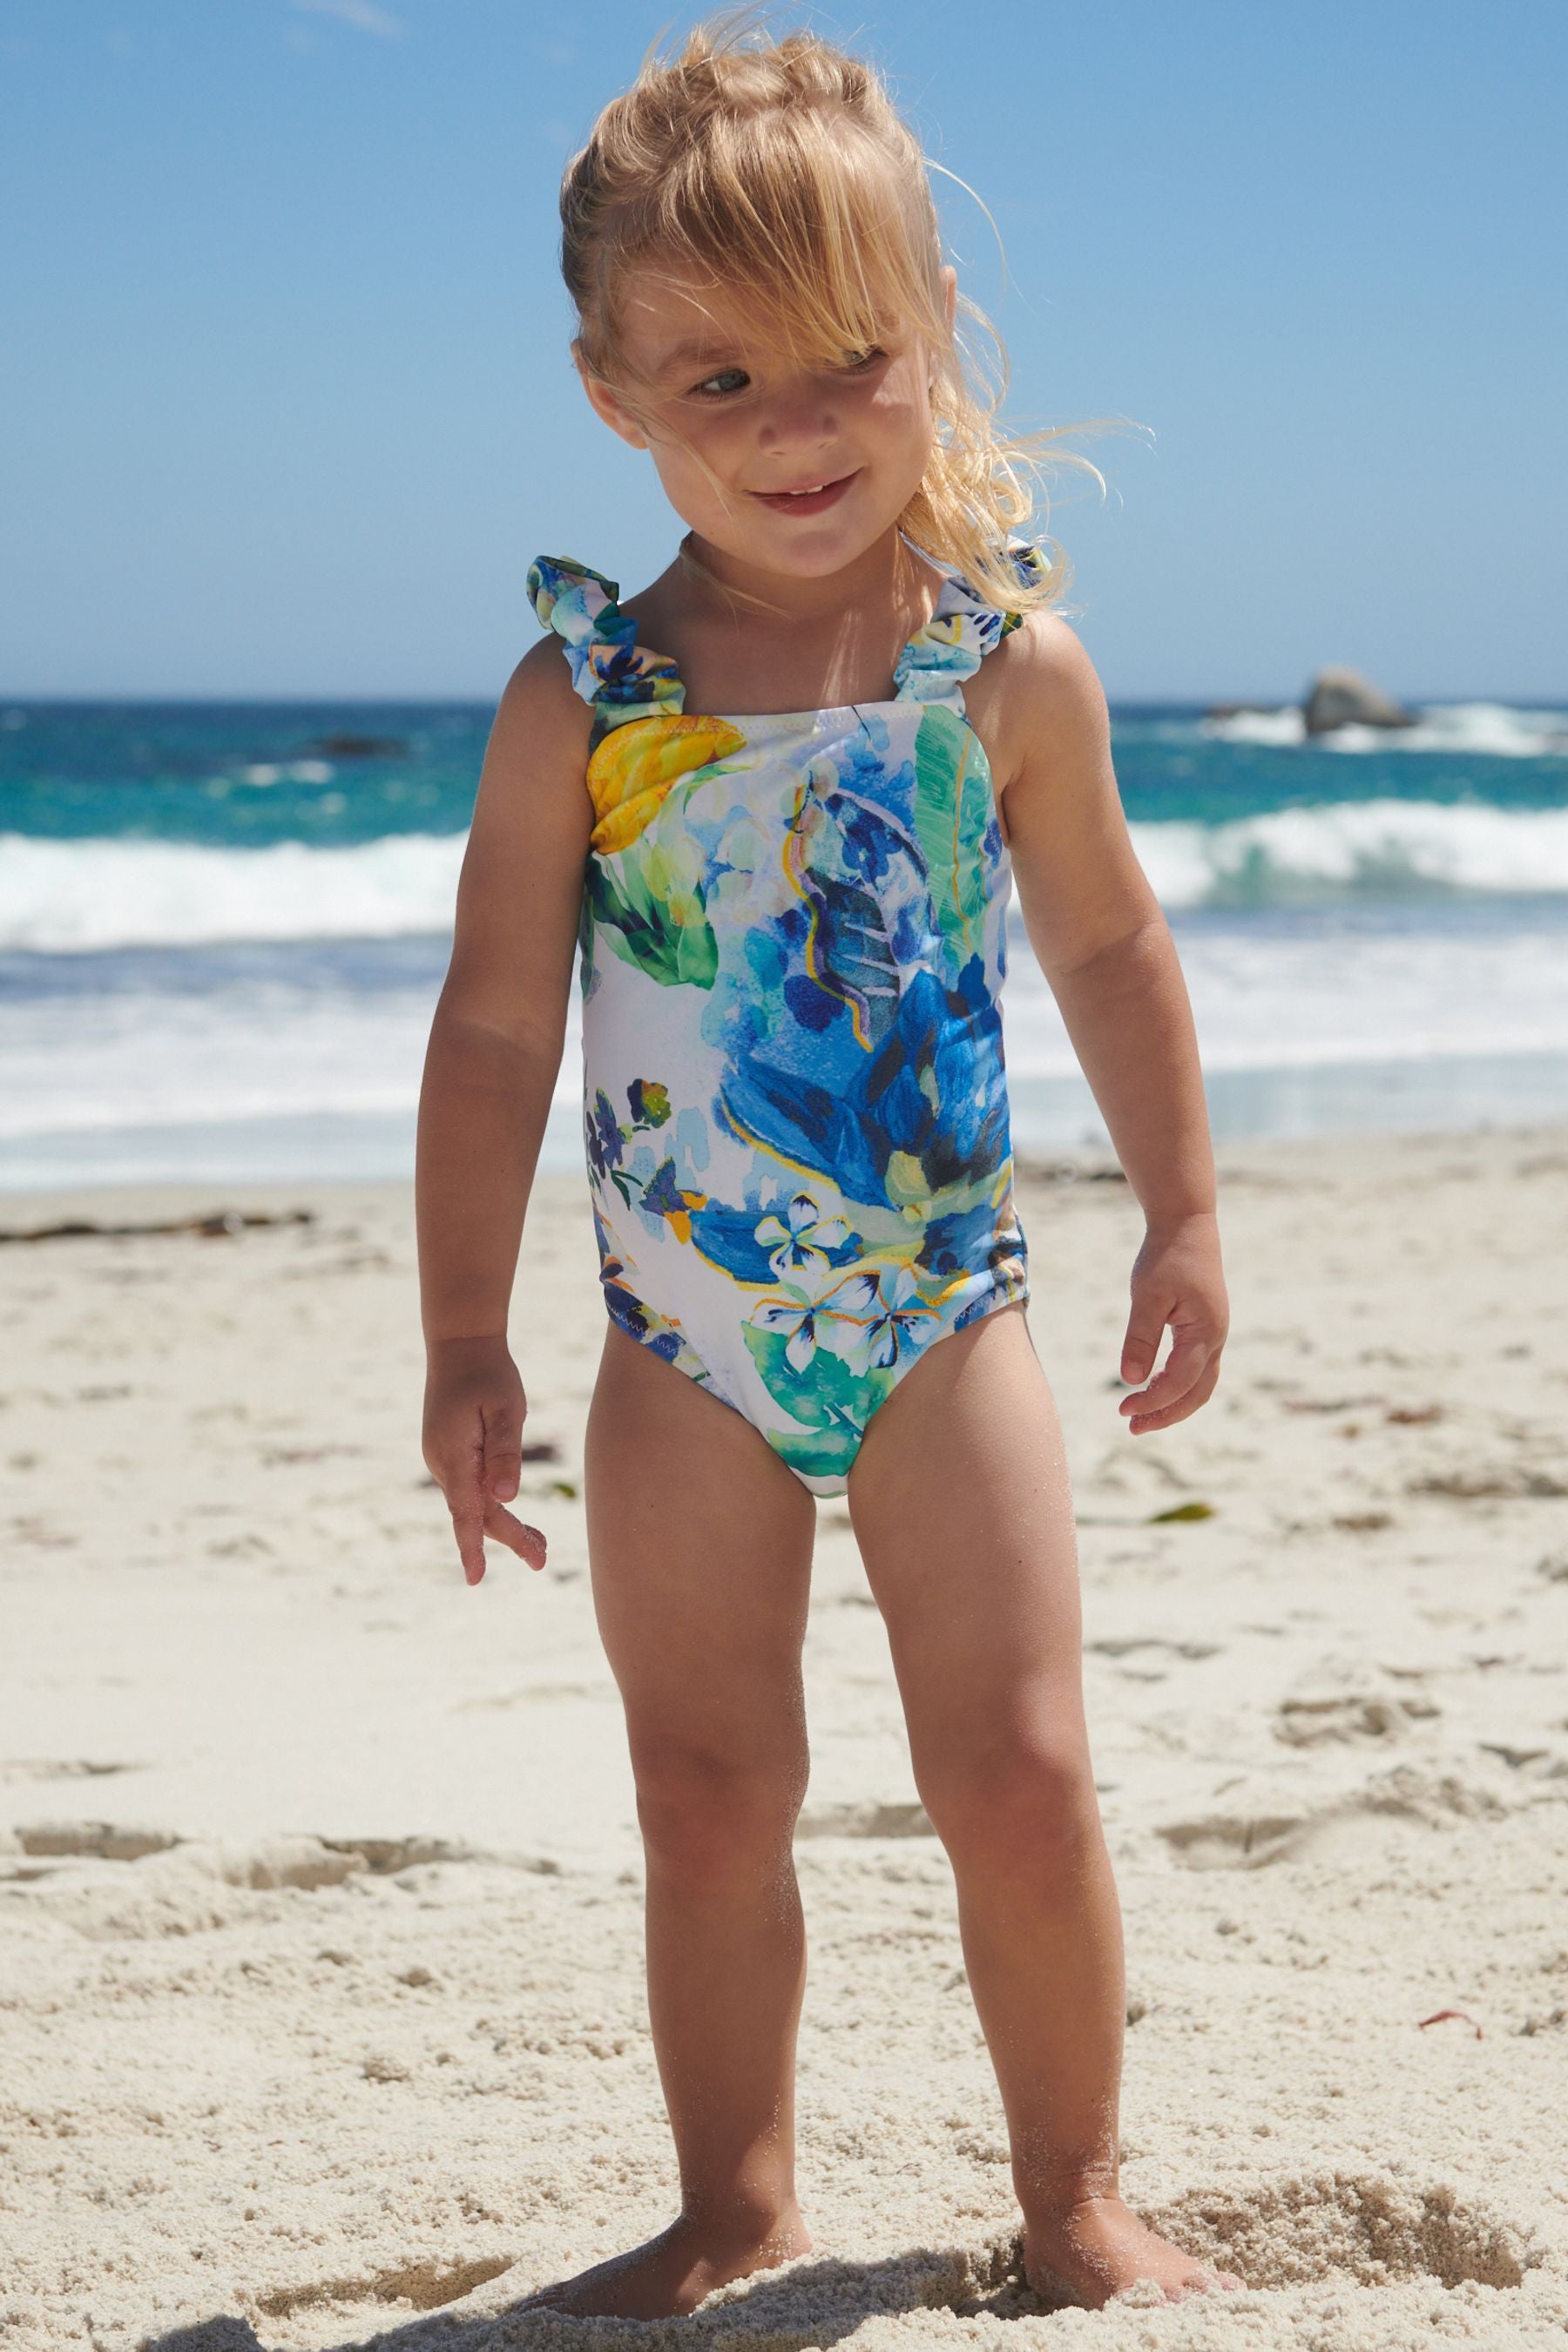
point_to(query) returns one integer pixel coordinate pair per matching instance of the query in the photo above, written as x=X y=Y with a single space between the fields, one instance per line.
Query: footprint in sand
x=1120 y=1647
x=1246 y=1840
x=311 y=1861
x=866 y=1821
x=100 y=1841
x=1351 y=1716
x=428 y=2286
x=1360 y=2226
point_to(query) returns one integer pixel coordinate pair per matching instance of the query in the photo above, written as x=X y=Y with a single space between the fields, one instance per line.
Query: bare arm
x=490 y=1067
x=1108 y=955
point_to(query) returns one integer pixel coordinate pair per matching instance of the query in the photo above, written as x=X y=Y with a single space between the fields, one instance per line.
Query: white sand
x=363 y=2036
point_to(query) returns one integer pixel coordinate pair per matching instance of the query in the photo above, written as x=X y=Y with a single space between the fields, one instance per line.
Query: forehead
x=667 y=325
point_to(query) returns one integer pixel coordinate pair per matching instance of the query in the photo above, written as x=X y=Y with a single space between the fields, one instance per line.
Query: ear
x=603 y=401
x=949 y=293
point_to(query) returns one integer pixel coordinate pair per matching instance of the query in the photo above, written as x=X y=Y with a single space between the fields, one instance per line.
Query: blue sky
x=288 y=407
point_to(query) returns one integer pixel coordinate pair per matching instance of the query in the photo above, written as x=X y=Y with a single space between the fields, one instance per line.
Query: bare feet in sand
x=1097 y=2248
x=668 y=2276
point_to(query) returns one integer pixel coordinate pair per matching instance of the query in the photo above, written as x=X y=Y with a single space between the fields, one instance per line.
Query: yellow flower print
x=631 y=773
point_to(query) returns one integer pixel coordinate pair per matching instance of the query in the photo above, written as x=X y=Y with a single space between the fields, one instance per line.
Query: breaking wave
x=1494 y=730
x=56 y=896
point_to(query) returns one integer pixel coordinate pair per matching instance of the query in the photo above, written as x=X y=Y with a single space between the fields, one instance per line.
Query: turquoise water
x=244 y=775
x=223 y=928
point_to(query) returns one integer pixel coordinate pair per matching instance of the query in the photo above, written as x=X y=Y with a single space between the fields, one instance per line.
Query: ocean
x=224 y=927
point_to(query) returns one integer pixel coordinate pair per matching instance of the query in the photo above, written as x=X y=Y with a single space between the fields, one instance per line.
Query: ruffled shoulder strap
x=959 y=633
x=622 y=679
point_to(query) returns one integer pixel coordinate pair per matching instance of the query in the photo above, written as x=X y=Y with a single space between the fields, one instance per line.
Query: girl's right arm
x=491 y=1068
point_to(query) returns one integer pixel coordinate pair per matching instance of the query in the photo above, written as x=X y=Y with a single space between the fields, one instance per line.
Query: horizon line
x=348 y=696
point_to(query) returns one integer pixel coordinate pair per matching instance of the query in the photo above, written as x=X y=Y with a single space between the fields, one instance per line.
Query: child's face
x=735 y=427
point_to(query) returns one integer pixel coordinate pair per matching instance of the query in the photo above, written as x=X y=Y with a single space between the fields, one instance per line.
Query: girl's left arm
x=1107 y=952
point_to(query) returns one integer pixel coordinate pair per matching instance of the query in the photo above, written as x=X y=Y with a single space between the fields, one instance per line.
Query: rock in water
x=360 y=747
x=1342 y=698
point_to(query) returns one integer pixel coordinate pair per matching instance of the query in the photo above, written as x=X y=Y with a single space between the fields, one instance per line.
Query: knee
x=1019 y=1800
x=709 y=1816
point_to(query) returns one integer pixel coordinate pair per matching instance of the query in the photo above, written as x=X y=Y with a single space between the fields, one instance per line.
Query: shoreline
x=560 y=1174
x=1309 y=1154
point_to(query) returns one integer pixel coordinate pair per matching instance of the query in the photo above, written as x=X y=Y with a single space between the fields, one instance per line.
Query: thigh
x=962 y=1510
x=699 y=1543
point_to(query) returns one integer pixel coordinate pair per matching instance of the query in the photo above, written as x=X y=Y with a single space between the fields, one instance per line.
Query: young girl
x=779 y=798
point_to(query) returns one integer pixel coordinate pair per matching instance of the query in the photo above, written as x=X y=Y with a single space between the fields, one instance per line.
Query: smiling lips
x=808 y=501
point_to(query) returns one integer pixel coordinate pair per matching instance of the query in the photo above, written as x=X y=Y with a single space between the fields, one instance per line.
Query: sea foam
x=1364 y=847
x=59 y=896
x=1494 y=730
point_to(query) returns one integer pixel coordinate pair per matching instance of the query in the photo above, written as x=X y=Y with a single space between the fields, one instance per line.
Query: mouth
x=810 y=498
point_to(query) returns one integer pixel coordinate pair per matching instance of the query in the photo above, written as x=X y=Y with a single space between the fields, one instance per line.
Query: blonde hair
x=782 y=171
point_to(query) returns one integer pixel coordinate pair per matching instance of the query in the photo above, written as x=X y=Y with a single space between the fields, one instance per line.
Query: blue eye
x=738 y=379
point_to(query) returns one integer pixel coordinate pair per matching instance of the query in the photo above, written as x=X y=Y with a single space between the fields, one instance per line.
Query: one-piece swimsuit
x=792 y=949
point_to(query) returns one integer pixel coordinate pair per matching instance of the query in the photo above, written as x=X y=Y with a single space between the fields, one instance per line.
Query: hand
x=473 y=1413
x=1177 y=1279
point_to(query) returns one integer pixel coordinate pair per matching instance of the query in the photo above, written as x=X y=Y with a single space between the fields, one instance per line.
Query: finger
x=526 y=1541
x=1145 y=1329
x=468 y=1528
x=1190 y=1351
x=1141 y=1424
x=502 y=1426
x=1163 y=1395
x=461 y=1480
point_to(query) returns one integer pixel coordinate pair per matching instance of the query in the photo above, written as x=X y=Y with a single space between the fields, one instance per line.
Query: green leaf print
x=829 y=1394
x=669 y=938
x=833 y=1401
x=953 y=809
x=811 y=1457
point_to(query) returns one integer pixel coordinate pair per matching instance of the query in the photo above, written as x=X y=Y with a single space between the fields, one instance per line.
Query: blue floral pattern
x=793 y=946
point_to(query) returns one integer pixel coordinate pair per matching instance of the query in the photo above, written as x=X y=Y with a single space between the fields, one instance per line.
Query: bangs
x=805 y=227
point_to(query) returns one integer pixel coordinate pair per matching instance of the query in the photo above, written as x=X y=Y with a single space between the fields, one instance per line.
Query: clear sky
x=287 y=406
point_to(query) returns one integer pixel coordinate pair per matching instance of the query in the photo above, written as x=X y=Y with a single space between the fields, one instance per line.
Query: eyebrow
x=692 y=353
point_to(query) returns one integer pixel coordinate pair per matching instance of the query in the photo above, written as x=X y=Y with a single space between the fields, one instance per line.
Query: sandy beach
x=321 y=2016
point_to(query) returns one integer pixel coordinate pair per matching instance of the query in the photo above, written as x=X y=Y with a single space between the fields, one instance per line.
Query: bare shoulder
x=541 y=711
x=533 y=803
x=1046 y=653
x=520 y=884
x=1037 y=700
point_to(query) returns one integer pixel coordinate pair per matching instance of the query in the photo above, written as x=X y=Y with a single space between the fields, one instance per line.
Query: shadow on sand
x=811 y=2301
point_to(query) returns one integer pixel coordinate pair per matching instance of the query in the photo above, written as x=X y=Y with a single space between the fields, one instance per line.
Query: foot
x=667 y=2276
x=1097 y=2248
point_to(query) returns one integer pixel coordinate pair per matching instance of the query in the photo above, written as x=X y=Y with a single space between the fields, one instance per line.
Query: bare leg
x=961 y=1502
x=700 y=1545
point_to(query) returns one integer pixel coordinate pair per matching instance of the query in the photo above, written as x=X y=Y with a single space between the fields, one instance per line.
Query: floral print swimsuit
x=792 y=955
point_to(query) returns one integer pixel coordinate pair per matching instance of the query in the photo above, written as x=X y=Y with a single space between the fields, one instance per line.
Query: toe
x=1207 y=2280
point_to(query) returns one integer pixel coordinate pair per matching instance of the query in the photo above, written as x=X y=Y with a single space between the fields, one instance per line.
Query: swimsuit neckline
x=827 y=710
x=626 y=680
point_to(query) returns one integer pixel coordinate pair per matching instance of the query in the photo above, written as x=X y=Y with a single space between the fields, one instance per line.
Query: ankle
x=732 y=2219
x=1051 y=2195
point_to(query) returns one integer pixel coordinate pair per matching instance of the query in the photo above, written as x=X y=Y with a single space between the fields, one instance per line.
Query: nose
x=797 y=419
